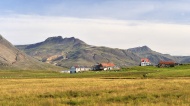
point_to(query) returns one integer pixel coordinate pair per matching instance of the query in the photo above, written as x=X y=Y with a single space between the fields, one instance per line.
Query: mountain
x=67 y=52
x=155 y=57
x=140 y=50
x=183 y=59
x=13 y=58
x=53 y=47
x=72 y=51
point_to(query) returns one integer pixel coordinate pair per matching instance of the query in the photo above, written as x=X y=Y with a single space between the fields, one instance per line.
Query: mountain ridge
x=76 y=52
x=67 y=52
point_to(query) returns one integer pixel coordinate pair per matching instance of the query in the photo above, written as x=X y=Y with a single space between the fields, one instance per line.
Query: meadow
x=139 y=86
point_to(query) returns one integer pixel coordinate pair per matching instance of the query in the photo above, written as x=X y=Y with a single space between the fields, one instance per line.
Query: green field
x=132 y=72
x=148 y=86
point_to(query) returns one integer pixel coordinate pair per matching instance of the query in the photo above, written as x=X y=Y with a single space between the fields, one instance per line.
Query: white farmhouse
x=145 y=62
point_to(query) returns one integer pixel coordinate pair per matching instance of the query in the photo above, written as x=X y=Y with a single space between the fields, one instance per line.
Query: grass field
x=94 y=91
x=135 y=86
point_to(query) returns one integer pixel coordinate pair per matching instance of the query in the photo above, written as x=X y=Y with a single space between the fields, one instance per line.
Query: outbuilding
x=76 y=69
x=166 y=64
x=105 y=66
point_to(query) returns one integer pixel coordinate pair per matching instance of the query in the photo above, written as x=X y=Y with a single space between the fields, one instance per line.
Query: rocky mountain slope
x=155 y=57
x=72 y=51
x=13 y=58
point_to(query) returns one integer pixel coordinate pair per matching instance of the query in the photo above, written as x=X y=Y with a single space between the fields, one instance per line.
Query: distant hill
x=155 y=57
x=13 y=58
x=72 y=51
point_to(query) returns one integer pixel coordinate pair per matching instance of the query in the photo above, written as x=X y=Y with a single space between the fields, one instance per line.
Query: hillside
x=183 y=59
x=67 y=52
x=72 y=51
x=12 y=58
x=155 y=57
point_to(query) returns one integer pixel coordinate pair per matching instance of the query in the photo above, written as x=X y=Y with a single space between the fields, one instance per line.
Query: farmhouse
x=145 y=62
x=166 y=64
x=105 y=66
x=76 y=69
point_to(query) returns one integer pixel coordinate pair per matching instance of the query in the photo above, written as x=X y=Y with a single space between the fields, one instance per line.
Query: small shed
x=73 y=69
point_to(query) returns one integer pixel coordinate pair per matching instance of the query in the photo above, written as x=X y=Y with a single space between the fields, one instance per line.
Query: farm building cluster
x=99 y=67
x=146 y=62
x=112 y=66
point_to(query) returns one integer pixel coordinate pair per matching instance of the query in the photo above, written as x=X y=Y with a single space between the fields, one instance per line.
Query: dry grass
x=94 y=91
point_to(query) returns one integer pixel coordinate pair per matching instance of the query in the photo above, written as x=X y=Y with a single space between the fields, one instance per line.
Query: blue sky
x=162 y=25
x=154 y=10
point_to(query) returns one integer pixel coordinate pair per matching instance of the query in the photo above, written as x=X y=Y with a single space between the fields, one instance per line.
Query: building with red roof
x=105 y=66
x=166 y=64
x=145 y=62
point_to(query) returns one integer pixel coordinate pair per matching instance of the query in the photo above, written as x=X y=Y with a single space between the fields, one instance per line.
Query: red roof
x=167 y=62
x=145 y=60
x=107 y=64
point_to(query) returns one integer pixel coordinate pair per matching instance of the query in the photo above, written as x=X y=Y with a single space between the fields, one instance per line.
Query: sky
x=162 y=25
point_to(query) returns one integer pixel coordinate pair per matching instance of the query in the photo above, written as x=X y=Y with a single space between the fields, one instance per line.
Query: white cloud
x=173 y=11
x=165 y=38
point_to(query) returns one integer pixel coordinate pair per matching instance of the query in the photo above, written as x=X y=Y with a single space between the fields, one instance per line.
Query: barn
x=166 y=64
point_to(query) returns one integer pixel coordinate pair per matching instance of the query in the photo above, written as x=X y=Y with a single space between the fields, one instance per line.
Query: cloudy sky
x=163 y=25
